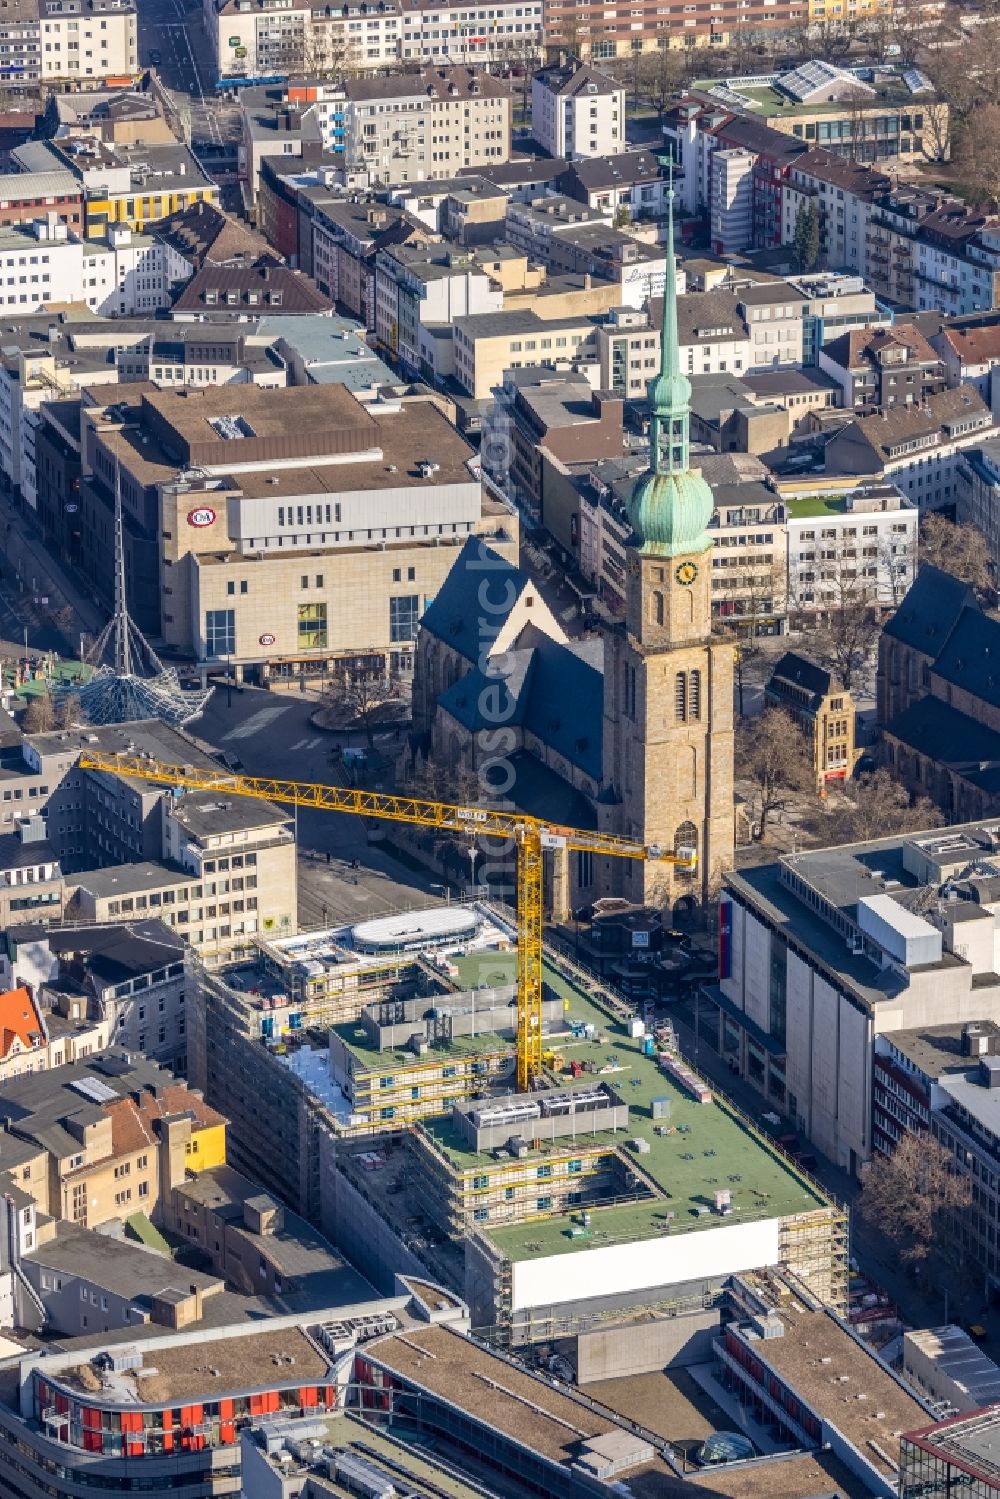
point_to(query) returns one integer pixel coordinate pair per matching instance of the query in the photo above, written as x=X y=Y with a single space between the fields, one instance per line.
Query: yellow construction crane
x=531 y=836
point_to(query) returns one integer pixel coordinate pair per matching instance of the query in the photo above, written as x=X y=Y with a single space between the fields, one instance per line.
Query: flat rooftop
x=280 y=1356
x=710 y=1148
x=797 y=1475
x=806 y=506
x=934 y=1049
x=122 y=1268
x=388 y=450
x=842 y=1381
x=520 y=1406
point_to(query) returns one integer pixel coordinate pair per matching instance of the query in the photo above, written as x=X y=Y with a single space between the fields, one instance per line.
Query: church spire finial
x=669 y=352
x=671 y=504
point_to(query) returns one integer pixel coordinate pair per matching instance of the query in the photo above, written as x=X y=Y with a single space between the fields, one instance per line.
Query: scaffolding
x=129 y=681
x=815 y=1248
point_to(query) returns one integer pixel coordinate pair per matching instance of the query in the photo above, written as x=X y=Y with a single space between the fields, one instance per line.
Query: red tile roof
x=19 y=1021
x=133 y=1124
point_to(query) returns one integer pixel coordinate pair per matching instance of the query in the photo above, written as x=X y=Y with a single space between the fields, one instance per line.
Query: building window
x=694 y=695
x=220 y=632
x=680 y=697
x=312 y=626
x=404 y=611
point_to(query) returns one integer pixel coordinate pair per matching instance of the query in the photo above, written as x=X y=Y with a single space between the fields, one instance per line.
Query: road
x=919 y=1305
x=272 y=735
x=175 y=29
x=30 y=574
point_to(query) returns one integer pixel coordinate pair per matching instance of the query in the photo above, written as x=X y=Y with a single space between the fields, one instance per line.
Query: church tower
x=668 y=685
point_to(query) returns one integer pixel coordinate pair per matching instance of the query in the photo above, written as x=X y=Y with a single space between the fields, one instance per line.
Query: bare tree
x=897 y=568
x=39 y=715
x=980 y=157
x=66 y=710
x=858 y=100
x=831 y=39
x=771 y=755
x=913 y=1197
x=936 y=138
x=959 y=549
x=836 y=598
x=327 y=51
x=357 y=695
x=755 y=593
x=879 y=34
x=877 y=806
x=666 y=70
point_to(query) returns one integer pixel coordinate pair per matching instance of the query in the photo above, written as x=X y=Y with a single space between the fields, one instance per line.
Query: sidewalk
x=919 y=1305
x=24 y=550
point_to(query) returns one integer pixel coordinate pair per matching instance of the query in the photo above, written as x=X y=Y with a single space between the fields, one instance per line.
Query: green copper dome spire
x=671 y=505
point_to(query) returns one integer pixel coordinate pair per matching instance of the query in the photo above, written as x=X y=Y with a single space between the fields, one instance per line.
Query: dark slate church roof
x=553 y=691
x=930 y=610
x=456 y=614
x=952 y=739
x=970 y=656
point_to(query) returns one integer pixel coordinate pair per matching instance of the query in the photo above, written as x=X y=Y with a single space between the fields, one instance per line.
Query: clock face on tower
x=686 y=572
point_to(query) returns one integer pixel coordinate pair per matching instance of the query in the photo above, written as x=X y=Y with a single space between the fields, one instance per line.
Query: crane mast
x=531 y=836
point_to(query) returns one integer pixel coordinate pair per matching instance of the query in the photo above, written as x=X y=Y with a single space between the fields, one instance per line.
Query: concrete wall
x=361 y=1233
x=645 y=1264
x=643 y=1347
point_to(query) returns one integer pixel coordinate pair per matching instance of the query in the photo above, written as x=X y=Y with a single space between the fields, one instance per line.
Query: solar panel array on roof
x=802 y=83
x=917 y=82
x=94 y=1089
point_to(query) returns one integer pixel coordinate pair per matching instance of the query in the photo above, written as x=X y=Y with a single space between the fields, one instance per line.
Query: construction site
x=597 y=1175
x=397 y=1125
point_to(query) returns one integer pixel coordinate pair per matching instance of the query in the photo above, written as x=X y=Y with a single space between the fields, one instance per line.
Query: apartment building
x=120 y=982
x=24 y=194
x=453 y=31
x=577 y=111
x=861 y=542
x=601 y=34
x=731 y=200
x=489 y=344
x=878 y=369
x=42 y=262
x=435 y=122
x=918 y=448
x=567 y=238
x=254 y=39
x=283 y=570
x=346 y=239
x=115 y=1134
x=755 y=328
x=79 y=39
x=127 y=185
x=418 y=289
x=32 y=885
x=542 y=422
x=125 y=116
x=969 y=350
